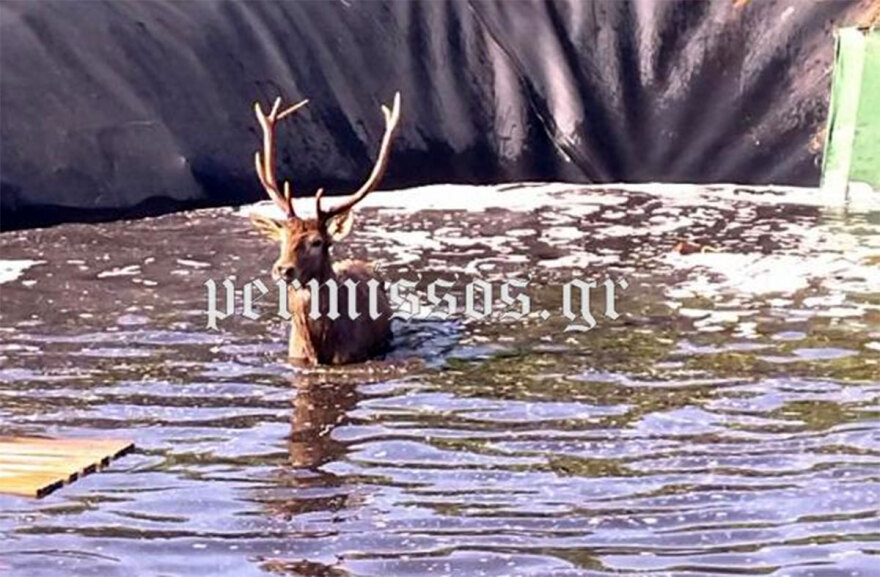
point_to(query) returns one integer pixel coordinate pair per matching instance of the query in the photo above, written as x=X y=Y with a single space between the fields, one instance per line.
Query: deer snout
x=284 y=271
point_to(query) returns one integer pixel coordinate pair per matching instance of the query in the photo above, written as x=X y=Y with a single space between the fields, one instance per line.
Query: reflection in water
x=318 y=408
x=726 y=423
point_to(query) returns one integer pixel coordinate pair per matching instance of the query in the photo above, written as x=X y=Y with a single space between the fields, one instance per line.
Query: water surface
x=726 y=423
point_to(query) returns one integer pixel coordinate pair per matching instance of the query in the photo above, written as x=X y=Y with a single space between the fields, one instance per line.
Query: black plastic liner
x=123 y=108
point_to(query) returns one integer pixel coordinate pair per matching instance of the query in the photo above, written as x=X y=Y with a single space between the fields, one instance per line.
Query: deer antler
x=265 y=164
x=391 y=118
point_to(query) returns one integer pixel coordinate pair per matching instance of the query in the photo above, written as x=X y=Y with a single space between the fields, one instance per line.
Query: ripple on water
x=726 y=423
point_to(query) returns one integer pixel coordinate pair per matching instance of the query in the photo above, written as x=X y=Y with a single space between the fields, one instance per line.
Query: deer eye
x=317 y=242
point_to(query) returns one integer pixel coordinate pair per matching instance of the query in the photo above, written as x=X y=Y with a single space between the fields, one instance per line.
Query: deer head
x=305 y=242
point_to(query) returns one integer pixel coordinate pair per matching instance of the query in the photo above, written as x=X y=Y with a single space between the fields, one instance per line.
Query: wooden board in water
x=35 y=467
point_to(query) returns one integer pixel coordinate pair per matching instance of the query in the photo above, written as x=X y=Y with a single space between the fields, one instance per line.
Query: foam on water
x=726 y=422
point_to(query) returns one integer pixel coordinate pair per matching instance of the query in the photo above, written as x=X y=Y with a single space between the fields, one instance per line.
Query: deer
x=305 y=256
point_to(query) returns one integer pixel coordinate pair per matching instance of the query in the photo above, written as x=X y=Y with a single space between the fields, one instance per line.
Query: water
x=726 y=423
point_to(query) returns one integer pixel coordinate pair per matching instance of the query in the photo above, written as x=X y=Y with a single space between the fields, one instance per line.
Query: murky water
x=726 y=423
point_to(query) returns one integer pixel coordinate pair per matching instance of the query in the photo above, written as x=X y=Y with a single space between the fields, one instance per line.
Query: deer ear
x=339 y=226
x=268 y=226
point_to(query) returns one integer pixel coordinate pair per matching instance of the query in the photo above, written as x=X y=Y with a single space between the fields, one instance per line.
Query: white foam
x=11 y=270
x=472 y=198
x=130 y=270
x=581 y=199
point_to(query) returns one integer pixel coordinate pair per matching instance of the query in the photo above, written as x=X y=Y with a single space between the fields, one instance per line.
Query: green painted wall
x=852 y=147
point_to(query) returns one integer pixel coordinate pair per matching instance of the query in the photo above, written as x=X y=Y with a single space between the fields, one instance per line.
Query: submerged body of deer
x=325 y=338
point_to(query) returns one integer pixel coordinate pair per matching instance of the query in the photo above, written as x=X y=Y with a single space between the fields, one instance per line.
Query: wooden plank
x=34 y=467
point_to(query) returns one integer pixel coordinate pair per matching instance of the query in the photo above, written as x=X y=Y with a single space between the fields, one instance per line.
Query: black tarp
x=115 y=108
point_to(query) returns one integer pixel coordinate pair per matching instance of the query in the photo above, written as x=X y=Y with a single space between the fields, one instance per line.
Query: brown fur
x=305 y=255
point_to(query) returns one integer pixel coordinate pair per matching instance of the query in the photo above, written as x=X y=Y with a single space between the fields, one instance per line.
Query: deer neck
x=311 y=339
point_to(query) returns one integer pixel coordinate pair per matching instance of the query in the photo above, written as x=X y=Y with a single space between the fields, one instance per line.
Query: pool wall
x=126 y=108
